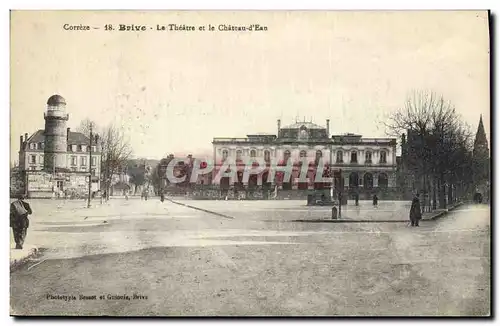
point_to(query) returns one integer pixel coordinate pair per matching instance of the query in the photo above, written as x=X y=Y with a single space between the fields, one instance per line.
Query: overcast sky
x=175 y=91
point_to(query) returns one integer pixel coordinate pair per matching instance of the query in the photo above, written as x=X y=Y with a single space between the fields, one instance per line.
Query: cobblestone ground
x=189 y=262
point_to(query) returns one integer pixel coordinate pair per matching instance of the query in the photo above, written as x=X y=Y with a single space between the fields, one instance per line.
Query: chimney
x=328 y=127
x=26 y=137
x=279 y=126
x=21 y=143
x=67 y=134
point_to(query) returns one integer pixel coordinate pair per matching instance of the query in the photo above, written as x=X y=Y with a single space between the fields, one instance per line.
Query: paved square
x=190 y=262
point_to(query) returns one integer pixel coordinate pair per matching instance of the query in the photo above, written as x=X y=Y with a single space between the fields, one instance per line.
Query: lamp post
x=341 y=185
x=90 y=163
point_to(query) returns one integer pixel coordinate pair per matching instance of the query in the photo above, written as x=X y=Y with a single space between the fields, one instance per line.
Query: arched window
x=383 y=157
x=319 y=153
x=383 y=181
x=340 y=157
x=253 y=153
x=354 y=157
x=303 y=153
x=287 y=154
x=267 y=155
x=239 y=154
x=368 y=157
x=368 y=181
x=225 y=154
x=353 y=180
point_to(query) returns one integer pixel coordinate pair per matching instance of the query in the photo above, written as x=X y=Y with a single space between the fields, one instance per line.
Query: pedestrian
x=162 y=197
x=356 y=199
x=415 y=212
x=19 y=222
x=375 y=200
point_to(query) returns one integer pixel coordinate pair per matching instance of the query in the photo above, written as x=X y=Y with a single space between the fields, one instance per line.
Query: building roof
x=56 y=100
x=308 y=125
x=75 y=138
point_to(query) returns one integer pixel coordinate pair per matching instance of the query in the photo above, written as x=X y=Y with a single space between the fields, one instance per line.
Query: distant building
x=481 y=161
x=366 y=164
x=55 y=160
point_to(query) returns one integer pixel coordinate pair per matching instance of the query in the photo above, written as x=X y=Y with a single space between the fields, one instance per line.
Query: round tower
x=55 y=134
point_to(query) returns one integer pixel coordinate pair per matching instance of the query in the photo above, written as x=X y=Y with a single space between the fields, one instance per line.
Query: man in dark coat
x=415 y=212
x=375 y=200
x=19 y=211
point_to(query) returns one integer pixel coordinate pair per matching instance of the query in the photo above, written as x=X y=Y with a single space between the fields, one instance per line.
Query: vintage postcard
x=250 y=163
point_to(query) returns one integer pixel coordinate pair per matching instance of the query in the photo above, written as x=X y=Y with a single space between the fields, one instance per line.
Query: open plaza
x=187 y=257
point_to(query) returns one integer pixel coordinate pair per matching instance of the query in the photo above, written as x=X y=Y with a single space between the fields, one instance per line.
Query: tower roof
x=480 y=134
x=56 y=100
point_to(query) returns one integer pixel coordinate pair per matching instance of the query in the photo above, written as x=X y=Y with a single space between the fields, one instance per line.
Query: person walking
x=19 y=222
x=375 y=200
x=415 y=212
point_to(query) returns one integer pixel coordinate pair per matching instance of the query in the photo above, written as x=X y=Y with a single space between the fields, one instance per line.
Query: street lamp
x=90 y=163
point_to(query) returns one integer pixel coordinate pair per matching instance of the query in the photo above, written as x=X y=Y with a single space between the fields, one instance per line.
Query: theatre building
x=358 y=165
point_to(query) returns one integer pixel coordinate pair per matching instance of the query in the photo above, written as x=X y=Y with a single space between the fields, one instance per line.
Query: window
x=319 y=154
x=368 y=157
x=94 y=160
x=253 y=153
x=383 y=157
x=340 y=157
x=73 y=148
x=79 y=148
x=73 y=160
x=83 y=161
x=225 y=154
x=32 y=146
x=70 y=149
x=32 y=159
x=287 y=154
x=303 y=154
x=267 y=155
x=239 y=153
x=354 y=157
x=42 y=145
x=85 y=148
x=94 y=148
x=41 y=159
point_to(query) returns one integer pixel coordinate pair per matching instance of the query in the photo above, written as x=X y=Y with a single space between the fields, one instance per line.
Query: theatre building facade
x=357 y=165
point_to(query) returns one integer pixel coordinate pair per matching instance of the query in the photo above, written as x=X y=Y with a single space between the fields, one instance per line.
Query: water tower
x=55 y=134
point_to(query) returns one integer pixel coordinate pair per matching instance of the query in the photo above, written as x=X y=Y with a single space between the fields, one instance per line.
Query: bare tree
x=438 y=143
x=86 y=125
x=115 y=151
